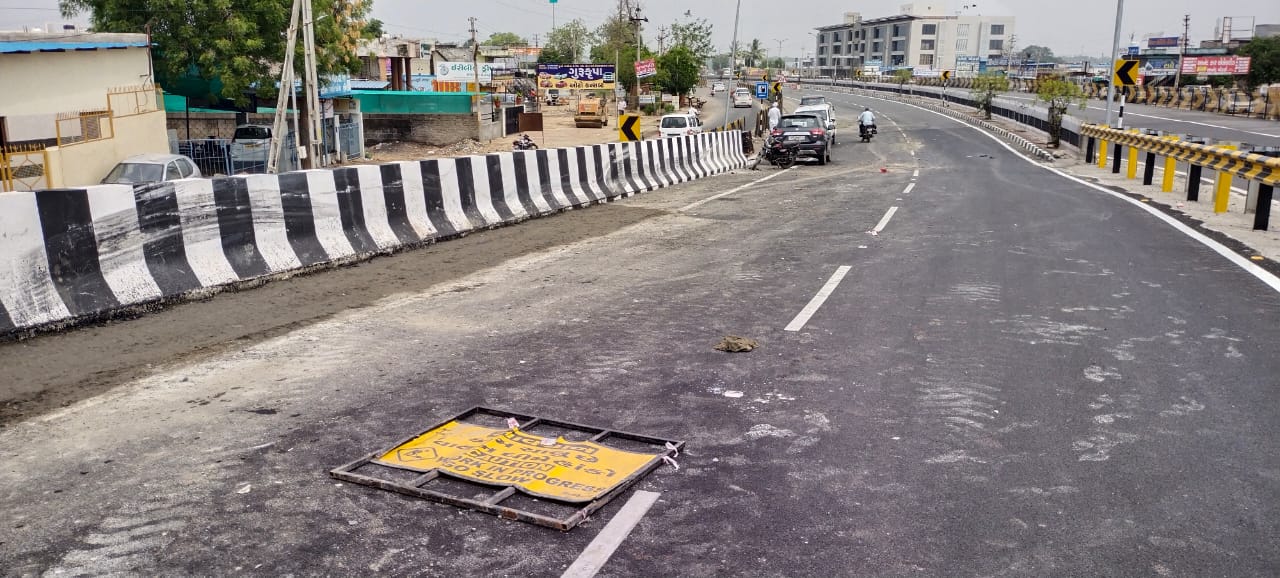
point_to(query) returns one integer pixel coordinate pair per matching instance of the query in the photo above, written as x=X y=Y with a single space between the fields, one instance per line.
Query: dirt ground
x=560 y=131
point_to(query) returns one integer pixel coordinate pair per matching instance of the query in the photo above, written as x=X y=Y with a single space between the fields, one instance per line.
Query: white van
x=825 y=113
x=679 y=124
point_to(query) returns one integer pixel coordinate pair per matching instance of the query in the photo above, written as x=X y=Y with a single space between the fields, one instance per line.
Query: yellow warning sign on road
x=1126 y=72
x=552 y=468
x=629 y=127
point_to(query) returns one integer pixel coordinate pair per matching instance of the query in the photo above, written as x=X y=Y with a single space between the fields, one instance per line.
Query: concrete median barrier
x=78 y=255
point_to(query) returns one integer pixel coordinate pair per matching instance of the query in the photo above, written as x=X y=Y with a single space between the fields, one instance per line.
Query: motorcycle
x=524 y=143
x=779 y=153
x=866 y=131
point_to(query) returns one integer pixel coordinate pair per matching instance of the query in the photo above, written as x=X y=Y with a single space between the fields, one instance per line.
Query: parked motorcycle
x=866 y=132
x=524 y=143
x=779 y=153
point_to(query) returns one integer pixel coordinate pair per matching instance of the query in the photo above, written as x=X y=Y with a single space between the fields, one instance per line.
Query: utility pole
x=475 y=52
x=1115 y=48
x=1182 y=49
x=315 y=115
x=636 y=19
x=286 y=91
x=733 y=61
x=662 y=37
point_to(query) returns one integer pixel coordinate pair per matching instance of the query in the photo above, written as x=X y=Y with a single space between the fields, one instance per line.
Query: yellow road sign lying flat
x=629 y=127
x=558 y=469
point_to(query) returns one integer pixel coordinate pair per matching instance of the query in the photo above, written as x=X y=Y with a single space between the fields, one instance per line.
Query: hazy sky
x=1064 y=26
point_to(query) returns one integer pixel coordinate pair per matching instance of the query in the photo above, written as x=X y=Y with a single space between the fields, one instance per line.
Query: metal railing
x=23 y=168
x=1262 y=171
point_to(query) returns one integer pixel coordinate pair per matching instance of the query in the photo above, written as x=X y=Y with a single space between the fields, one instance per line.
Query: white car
x=151 y=168
x=826 y=115
x=742 y=98
x=717 y=87
x=679 y=124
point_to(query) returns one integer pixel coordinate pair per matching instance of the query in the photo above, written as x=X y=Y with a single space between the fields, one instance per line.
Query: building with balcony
x=922 y=38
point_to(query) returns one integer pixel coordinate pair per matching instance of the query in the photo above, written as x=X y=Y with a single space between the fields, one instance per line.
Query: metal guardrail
x=1264 y=169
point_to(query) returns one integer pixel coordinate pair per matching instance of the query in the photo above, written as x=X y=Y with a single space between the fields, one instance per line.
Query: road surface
x=1017 y=375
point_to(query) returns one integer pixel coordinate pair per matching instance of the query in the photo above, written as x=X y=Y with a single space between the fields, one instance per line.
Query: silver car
x=152 y=168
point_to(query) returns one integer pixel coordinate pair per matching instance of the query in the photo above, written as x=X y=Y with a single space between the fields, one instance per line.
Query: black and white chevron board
x=74 y=255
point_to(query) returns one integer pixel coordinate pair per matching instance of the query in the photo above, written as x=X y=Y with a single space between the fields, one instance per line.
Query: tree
x=753 y=53
x=902 y=76
x=1265 y=66
x=985 y=88
x=235 y=46
x=721 y=61
x=1059 y=94
x=678 y=70
x=565 y=43
x=506 y=39
x=1038 y=54
x=695 y=36
x=616 y=39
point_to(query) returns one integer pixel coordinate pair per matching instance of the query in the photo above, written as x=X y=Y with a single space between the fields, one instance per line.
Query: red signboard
x=1215 y=65
x=646 y=68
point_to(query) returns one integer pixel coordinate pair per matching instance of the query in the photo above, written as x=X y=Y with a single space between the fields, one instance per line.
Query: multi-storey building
x=921 y=38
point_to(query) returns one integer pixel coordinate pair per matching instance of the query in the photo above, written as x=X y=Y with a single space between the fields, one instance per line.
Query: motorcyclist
x=866 y=121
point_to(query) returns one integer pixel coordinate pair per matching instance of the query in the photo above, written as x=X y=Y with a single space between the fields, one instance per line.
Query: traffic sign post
x=629 y=127
x=1125 y=75
x=762 y=90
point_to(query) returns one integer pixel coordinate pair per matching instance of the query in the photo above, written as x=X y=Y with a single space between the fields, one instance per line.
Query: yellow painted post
x=1170 y=165
x=1222 y=186
x=1131 y=171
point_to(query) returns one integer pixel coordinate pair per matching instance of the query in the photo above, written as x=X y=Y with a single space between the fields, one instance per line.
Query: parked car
x=152 y=168
x=249 y=148
x=826 y=116
x=807 y=133
x=742 y=98
x=679 y=124
x=1238 y=103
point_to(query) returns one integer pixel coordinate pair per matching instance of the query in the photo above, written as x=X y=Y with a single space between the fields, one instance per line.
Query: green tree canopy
x=753 y=54
x=1059 y=94
x=678 y=70
x=696 y=37
x=506 y=39
x=985 y=88
x=1038 y=54
x=565 y=44
x=240 y=43
x=616 y=39
x=1265 y=65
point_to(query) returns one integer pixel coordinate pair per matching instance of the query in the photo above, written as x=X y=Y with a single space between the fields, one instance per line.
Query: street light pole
x=1115 y=50
x=733 y=61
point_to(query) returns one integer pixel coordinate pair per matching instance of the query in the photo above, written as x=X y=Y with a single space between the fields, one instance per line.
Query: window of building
x=822 y=50
x=896 y=46
x=926 y=60
x=997 y=45
x=997 y=29
x=926 y=44
x=822 y=62
x=822 y=38
x=962 y=30
x=929 y=29
x=962 y=44
x=835 y=49
x=897 y=31
x=876 y=47
x=835 y=36
x=876 y=32
x=898 y=60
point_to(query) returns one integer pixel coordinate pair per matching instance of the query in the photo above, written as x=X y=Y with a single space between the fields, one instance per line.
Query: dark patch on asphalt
x=263 y=411
x=1235 y=245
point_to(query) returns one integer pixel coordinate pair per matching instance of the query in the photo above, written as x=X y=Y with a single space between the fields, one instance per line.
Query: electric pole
x=662 y=36
x=636 y=19
x=315 y=115
x=475 y=52
x=1182 y=50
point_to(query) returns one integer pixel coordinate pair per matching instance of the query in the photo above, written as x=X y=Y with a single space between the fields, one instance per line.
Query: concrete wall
x=86 y=163
x=432 y=129
x=40 y=85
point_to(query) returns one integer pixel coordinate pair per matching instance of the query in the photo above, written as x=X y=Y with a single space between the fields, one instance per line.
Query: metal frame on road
x=493 y=504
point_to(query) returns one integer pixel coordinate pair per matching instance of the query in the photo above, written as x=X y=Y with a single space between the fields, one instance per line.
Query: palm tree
x=755 y=53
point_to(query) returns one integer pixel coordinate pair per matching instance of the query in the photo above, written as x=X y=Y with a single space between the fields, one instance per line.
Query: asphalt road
x=1216 y=127
x=1019 y=375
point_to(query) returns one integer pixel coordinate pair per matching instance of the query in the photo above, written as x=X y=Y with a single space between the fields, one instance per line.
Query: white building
x=922 y=37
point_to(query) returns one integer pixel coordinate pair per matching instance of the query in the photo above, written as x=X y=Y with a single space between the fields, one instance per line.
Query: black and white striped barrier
x=75 y=255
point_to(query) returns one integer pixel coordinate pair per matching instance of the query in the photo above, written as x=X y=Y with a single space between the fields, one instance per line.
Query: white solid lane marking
x=1250 y=267
x=907 y=191
x=697 y=204
x=805 y=314
x=915 y=173
x=885 y=220
x=607 y=541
